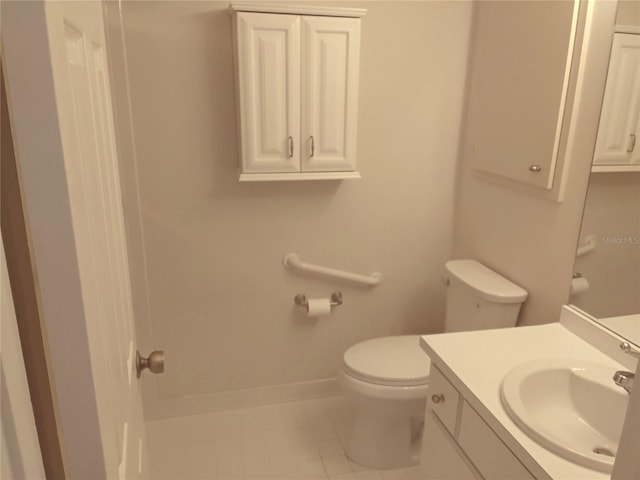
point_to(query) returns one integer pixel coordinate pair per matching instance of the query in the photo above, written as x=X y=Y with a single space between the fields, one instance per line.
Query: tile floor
x=288 y=441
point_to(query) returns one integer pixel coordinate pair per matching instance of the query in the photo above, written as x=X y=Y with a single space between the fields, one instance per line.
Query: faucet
x=622 y=378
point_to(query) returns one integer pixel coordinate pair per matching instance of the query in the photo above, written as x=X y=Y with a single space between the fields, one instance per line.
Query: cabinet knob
x=534 y=168
x=632 y=143
x=437 y=398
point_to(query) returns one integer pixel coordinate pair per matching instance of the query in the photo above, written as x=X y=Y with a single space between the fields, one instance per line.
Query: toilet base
x=387 y=432
x=391 y=442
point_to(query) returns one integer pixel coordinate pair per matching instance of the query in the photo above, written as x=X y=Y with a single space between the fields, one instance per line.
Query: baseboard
x=236 y=399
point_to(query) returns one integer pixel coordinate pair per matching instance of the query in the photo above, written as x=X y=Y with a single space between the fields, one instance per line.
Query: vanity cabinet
x=297 y=75
x=616 y=147
x=458 y=444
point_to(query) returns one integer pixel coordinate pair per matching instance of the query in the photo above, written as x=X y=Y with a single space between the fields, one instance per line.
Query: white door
x=330 y=65
x=59 y=98
x=269 y=91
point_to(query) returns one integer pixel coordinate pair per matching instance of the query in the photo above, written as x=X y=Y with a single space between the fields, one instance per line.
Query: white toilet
x=387 y=378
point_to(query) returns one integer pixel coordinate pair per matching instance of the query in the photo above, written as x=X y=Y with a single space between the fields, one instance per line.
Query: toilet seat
x=392 y=361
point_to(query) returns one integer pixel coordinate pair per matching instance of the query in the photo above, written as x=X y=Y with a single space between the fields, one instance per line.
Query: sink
x=569 y=406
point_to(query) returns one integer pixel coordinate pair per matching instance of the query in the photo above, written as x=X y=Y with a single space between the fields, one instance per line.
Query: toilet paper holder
x=335 y=299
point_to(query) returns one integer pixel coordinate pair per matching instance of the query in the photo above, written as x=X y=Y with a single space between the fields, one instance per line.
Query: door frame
x=21 y=453
x=21 y=286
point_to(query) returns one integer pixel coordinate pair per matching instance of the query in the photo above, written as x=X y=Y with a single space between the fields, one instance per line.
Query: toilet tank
x=479 y=298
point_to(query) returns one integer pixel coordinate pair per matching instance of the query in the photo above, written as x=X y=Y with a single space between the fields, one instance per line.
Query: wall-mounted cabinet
x=522 y=57
x=616 y=148
x=297 y=75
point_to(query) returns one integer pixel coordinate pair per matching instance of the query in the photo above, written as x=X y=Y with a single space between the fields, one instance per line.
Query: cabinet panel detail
x=269 y=76
x=330 y=81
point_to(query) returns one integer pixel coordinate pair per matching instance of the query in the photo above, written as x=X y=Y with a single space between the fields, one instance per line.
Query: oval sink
x=571 y=407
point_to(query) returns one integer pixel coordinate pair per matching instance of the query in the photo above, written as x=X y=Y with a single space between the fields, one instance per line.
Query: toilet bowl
x=387 y=378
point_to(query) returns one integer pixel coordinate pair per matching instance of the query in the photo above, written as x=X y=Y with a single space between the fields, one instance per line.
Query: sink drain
x=604 y=451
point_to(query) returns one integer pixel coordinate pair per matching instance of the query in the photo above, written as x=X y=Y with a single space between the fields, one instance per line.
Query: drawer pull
x=437 y=398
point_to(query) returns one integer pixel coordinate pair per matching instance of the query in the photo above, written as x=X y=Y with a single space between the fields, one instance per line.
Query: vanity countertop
x=476 y=362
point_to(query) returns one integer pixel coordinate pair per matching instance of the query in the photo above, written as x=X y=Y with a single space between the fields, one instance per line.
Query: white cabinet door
x=330 y=53
x=269 y=91
x=619 y=125
x=491 y=457
x=519 y=87
x=442 y=458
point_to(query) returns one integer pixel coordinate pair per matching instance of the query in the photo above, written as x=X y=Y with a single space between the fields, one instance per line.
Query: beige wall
x=628 y=12
x=612 y=215
x=221 y=303
x=523 y=235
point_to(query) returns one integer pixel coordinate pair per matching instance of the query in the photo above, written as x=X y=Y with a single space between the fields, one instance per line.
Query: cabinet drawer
x=443 y=399
x=486 y=451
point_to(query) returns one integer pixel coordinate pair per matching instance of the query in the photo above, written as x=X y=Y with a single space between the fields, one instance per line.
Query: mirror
x=606 y=282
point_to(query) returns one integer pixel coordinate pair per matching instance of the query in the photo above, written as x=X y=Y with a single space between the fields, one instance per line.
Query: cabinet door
x=519 y=85
x=441 y=458
x=443 y=399
x=491 y=457
x=618 y=131
x=330 y=53
x=268 y=52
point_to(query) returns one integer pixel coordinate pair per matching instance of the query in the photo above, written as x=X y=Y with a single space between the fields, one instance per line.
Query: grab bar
x=291 y=260
x=589 y=244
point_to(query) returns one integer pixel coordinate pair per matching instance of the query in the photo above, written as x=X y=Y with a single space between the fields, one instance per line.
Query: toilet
x=387 y=378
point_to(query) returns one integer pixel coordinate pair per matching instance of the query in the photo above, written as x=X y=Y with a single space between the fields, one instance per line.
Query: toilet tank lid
x=485 y=282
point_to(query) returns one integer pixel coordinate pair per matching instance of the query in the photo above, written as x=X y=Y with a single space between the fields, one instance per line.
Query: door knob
x=154 y=362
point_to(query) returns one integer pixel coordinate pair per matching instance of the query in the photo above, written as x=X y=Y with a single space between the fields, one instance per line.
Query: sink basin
x=571 y=407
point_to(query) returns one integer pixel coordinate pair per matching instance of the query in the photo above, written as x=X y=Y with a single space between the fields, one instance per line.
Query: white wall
x=628 y=12
x=221 y=304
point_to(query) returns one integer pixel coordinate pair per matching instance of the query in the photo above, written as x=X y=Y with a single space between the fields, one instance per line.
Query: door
x=59 y=98
x=269 y=91
x=330 y=59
